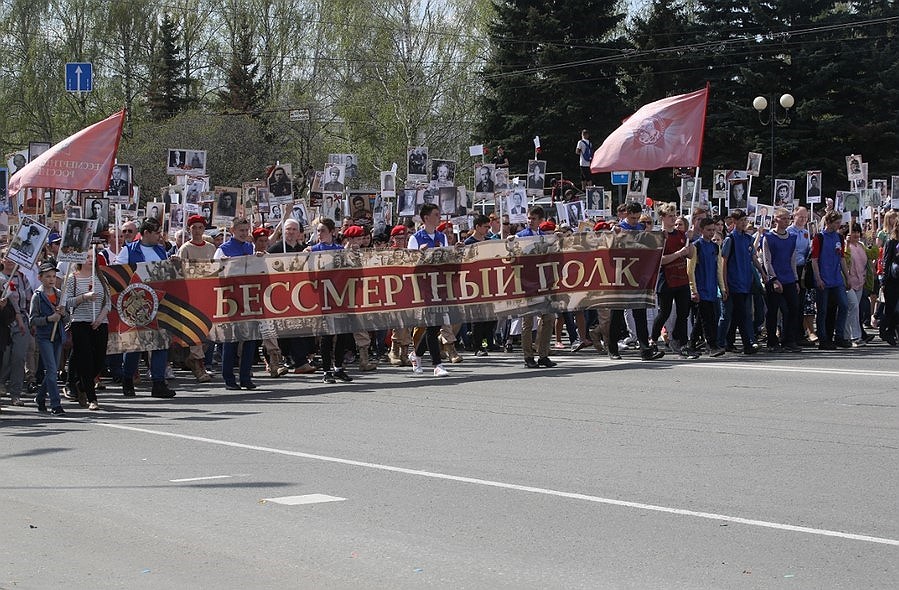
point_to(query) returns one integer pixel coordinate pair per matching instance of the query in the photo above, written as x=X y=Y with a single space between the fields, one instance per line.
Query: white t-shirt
x=150 y=255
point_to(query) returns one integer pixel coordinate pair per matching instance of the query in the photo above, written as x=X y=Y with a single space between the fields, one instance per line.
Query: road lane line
x=516 y=487
x=302 y=500
x=208 y=477
x=711 y=364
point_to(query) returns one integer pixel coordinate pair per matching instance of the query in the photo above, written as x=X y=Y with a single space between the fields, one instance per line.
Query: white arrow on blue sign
x=79 y=77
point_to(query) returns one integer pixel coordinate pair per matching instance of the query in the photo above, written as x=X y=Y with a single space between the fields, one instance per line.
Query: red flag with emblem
x=666 y=133
x=81 y=162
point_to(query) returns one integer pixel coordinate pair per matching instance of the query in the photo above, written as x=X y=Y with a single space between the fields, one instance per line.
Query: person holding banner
x=536 y=215
x=197 y=249
x=631 y=222
x=239 y=244
x=428 y=237
x=147 y=249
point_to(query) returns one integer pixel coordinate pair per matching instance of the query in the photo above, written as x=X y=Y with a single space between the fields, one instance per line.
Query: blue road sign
x=619 y=178
x=79 y=77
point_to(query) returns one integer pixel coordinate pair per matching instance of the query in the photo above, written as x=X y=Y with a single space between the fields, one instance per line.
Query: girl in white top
x=87 y=296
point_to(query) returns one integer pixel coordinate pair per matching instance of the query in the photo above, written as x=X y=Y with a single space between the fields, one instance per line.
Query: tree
x=167 y=92
x=244 y=92
x=551 y=77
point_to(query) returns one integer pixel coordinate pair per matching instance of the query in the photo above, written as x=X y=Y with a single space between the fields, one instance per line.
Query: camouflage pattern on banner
x=277 y=295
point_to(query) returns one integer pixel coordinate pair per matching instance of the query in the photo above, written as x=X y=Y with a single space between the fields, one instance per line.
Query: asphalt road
x=763 y=472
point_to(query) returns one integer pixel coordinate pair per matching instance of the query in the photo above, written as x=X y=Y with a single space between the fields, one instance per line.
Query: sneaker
x=559 y=346
x=508 y=348
x=340 y=373
x=481 y=353
x=328 y=377
x=41 y=405
x=544 y=361
x=57 y=411
x=530 y=363
x=716 y=352
x=128 y=387
x=439 y=371
x=687 y=353
x=651 y=354
x=577 y=345
x=17 y=401
x=248 y=385
x=304 y=369
x=416 y=363
x=843 y=343
x=93 y=406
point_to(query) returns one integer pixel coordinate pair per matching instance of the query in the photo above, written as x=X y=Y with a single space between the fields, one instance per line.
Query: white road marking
x=516 y=487
x=200 y=478
x=712 y=364
x=307 y=499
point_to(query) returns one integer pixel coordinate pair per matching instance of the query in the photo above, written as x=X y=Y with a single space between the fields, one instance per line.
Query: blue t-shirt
x=803 y=245
x=830 y=259
x=322 y=247
x=233 y=248
x=526 y=232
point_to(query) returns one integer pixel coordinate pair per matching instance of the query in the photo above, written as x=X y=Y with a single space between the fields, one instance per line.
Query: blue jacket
x=135 y=254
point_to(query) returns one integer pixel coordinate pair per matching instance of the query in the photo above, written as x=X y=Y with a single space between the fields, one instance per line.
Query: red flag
x=81 y=162
x=666 y=133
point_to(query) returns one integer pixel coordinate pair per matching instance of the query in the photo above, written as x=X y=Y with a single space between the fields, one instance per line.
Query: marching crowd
x=784 y=290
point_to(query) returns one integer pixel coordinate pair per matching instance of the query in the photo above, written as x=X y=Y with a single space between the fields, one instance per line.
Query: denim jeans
x=245 y=364
x=50 y=352
x=827 y=296
x=159 y=360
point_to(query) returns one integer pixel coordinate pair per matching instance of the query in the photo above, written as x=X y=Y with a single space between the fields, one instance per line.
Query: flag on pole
x=81 y=162
x=666 y=133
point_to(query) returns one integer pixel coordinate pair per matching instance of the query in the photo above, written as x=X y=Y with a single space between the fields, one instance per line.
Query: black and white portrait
x=36 y=148
x=388 y=184
x=443 y=172
x=517 y=205
x=635 y=182
x=226 y=202
x=177 y=162
x=275 y=213
x=501 y=179
x=206 y=211
x=156 y=210
x=120 y=182
x=813 y=186
x=594 y=200
x=76 y=240
x=333 y=179
x=737 y=194
x=428 y=194
x=484 y=177
x=26 y=245
x=783 y=192
x=854 y=167
x=360 y=208
x=405 y=202
x=575 y=212
x=754 y=163
x=448 y=200
x=418 y=163
x=195 y=188
x=689 y=187
x=98 y=212
x=298 y=213
x=16 y=161
x=280 y=182
x=536 y=178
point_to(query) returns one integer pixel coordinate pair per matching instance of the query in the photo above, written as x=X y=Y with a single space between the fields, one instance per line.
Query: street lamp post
x=760 y=103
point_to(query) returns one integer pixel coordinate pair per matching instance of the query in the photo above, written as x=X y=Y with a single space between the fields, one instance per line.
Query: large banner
x=277 y=295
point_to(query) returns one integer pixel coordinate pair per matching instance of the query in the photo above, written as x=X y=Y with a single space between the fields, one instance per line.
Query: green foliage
x=235 y=146
x=167 y=92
